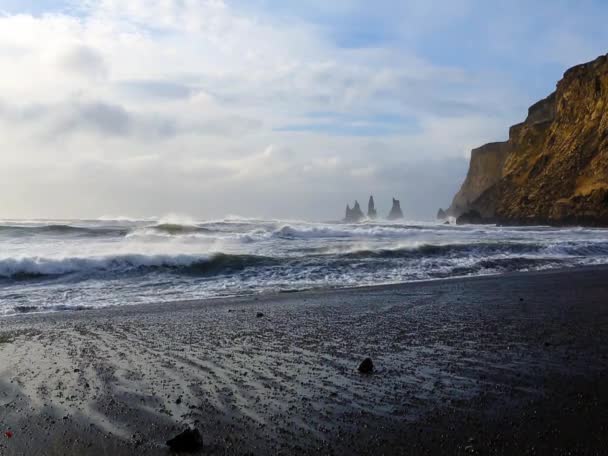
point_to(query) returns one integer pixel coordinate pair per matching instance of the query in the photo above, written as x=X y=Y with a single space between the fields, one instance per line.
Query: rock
x=355 y=214
x=259 y=315
x=371 y=209
x=470 y=217
x=441 y=214
x=553 y=169
x=396 y=213
x=366 y=366
x=188 y=441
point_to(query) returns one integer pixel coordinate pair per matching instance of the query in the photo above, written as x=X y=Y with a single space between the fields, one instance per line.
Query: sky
x=267 y=108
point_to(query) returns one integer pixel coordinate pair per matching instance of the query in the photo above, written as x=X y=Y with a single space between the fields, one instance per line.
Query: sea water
x=65 y=265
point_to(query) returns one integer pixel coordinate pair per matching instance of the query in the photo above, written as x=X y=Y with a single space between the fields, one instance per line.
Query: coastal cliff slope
x=554 y=167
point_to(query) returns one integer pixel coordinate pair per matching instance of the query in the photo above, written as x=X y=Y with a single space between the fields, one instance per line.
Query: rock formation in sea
x=441 y=214
x=396 y=212
x=371 y=209
x=554 y=166
x=355 y=214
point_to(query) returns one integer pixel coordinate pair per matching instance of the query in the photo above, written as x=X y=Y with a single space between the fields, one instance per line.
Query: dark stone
x=396 y=213
x=259 y=315
x=188 y=441
x=371 y=209
x=366 y=366
x=355 y=214
x=471 y=217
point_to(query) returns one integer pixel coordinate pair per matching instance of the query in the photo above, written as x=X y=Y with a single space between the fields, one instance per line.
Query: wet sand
x=515 y=364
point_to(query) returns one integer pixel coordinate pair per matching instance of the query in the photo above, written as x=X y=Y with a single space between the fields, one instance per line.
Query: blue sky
x=311 y=101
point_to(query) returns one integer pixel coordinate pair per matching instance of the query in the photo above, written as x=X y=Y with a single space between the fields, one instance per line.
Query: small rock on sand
x=188 y=441
x=259 y=315
x=366 y=366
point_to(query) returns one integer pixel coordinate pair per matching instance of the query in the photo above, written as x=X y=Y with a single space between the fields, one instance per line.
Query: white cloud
x=153 y=106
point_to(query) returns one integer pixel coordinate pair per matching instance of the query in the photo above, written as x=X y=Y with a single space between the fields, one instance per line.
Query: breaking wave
x=60 y=265
x=34 y=267
x=61 y=230
x=490 y=255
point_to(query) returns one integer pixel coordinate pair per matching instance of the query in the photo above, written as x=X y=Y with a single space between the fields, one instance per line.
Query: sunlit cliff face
x=216 y=107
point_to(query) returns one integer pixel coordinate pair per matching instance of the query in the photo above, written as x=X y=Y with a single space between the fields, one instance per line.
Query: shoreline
x=273 y=295
x=508 y=364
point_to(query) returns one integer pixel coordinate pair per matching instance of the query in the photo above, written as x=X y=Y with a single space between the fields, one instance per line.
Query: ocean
x=64 y=265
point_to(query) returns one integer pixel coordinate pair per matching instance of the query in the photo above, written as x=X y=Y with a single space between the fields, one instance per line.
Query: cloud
x=85 y=61
x=160 y=89
x=265 y=107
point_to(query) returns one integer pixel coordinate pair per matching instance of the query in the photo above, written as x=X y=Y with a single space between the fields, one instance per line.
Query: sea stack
x=396 y=212
x=371 y=209
x=355 y=214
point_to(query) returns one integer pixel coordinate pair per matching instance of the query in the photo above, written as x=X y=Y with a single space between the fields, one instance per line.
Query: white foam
x=11 y=267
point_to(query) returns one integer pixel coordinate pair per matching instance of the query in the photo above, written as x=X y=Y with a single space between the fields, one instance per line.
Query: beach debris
x=259 y=315
x=178 y=400
x=188 y=441
x=366 y=366
x=9 y=434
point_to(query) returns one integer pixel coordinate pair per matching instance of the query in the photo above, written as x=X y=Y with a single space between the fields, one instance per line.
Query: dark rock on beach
x=188 y=441
x=366 y=366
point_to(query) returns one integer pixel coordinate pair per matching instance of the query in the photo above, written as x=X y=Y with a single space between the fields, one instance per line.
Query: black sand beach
x=515 y=364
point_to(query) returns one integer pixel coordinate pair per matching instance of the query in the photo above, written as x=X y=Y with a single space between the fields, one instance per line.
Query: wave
x=35 y=267
x=344 y=231
x=62 y=229
x=447 y=250
x=218 y=262
x=176 y=228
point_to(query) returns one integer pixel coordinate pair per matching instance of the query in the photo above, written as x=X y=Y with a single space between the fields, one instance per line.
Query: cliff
x=485 y=170
x=554 y=167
